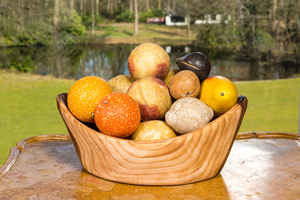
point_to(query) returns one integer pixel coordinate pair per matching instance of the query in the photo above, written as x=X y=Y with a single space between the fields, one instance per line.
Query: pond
x=107 y=61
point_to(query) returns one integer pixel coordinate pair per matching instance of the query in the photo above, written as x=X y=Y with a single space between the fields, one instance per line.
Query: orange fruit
x=219 y=93
x=84 y=96
x=118 y=115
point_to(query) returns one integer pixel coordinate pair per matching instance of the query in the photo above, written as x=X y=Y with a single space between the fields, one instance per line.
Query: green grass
x=157 y=33
x=272 y=105
x=28 y=107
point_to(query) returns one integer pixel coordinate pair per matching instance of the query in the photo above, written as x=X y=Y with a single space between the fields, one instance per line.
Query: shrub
x=70 y=27
x=150 y=13
x=87 y=20
x=24 y=66
x=126 y=16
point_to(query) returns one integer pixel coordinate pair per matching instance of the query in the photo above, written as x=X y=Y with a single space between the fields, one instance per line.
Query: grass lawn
x=272 y=105
x=28 y=107
x=157 y=33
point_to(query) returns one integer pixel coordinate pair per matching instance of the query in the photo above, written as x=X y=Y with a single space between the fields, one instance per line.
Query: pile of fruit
x=154 y=102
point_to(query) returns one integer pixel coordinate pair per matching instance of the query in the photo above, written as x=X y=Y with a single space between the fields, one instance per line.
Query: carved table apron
x=47 y=167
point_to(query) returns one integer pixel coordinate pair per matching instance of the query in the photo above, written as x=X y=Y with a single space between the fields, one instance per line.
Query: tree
x=93 y=17
x=55 y=21
x=136 y=18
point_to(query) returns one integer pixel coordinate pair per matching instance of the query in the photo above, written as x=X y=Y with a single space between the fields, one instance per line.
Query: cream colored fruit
x=120 y=83
x=188 y=114
x=153 y=130
x=153 y=97
x=148 y=59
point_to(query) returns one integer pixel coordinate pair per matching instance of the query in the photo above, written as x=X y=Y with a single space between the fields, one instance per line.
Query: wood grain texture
x=192 y=157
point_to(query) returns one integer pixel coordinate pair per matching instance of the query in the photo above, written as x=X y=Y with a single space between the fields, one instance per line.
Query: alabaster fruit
x=153 y=130
x=188 y=114
x=120 y=83
x=153 y=97
x=197 y=62
x=184 y=84
x=148 y=59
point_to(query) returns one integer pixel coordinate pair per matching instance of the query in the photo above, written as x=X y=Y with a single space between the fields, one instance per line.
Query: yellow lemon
x=219 y=93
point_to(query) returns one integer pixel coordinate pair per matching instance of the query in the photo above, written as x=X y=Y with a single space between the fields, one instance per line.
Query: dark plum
x=197 y=62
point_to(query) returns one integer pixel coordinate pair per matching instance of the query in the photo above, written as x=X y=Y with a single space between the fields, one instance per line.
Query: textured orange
x=117 y=115
x=84 y=96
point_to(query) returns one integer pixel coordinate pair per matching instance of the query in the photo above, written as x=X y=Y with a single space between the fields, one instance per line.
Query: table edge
x=21 y=145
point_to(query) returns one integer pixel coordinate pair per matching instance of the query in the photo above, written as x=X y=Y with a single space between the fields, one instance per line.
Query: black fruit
x=197 y=62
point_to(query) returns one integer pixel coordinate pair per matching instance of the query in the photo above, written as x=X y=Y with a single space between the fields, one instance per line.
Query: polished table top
x=47 y=167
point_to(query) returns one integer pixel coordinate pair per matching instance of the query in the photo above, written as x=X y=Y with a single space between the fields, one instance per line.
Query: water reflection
x=107 y=61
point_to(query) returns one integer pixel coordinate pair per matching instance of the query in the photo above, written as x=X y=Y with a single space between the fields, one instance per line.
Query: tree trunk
x=188 y=25
x=274 y=9
x=71 y=4
x=159 y=4
x=187 y=14
x=147 y=5
x=93 y=17
x=112 y=7
x=136 y=18
x=55 y=21
x=130 y=6
x=22 y=17
x=97 y=7
x=168 y=2
x=108 y=5
x=81 y=6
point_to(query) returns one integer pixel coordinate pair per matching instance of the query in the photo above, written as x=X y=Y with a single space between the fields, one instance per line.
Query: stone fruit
x=219 y=93
x=84 y=96
x=120 y=83
x=170 y=75
x=153 y=130
x=197 y=62
x=148 y=59
x=188 y=114
x=118 y=115
x=184 y=84
x=153 y=97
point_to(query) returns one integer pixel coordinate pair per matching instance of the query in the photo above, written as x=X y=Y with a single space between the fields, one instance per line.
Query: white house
x=174 y=20
x=209 y=20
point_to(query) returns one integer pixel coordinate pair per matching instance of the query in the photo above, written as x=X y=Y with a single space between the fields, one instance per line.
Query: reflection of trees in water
x=107 y=61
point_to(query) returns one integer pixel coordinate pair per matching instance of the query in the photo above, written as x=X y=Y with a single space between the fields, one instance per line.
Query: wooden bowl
x=188 y=158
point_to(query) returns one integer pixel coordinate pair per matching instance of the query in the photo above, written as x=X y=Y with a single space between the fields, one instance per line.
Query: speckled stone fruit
x=153 y=130
x=188 y=114
x=153 y=97
x=148 y=59
x=84 y=96
x=117 y=114
x=184 y=84
x=120 y=83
